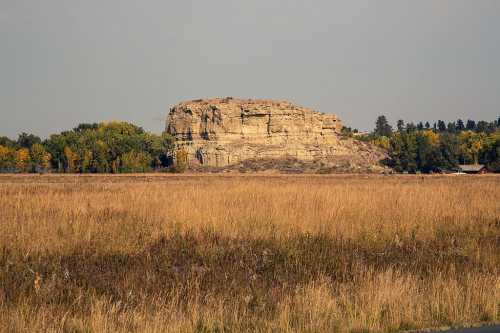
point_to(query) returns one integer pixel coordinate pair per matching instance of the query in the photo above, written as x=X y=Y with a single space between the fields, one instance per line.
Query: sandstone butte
x=229 y=131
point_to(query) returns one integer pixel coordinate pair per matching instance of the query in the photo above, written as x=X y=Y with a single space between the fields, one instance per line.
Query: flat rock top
x=231 y=102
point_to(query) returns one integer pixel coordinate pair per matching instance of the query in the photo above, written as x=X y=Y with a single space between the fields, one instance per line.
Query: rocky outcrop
x=223 y=132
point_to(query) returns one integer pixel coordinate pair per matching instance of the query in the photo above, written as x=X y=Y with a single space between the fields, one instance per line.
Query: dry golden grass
x=165 y=253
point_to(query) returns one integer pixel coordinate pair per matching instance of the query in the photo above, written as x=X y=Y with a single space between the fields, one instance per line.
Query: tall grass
x=248 y=253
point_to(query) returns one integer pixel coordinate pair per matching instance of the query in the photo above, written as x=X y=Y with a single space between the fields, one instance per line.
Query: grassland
x=248 y=253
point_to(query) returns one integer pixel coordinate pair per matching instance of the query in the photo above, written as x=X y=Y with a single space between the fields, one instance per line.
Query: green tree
x=382 y=127
x=403 y=152
x=100 y=162
x=471 y=125
x=482 y=126
x=6 y=142
x=121 y=138
x=450 y=151
x=490 y=154
x=441 y=126
x=160 y=147
x=410 y=127
x=400 y=125
x=55 y=146
x=134 y=161
x=420 y=149
x=27 y=140
x=86 y=127
x=428 y=154
x=100 y=147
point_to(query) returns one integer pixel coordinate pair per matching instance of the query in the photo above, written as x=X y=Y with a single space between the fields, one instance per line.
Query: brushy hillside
x=214 y=253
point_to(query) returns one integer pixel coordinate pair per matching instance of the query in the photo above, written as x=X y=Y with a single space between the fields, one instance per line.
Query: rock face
x=223 y=132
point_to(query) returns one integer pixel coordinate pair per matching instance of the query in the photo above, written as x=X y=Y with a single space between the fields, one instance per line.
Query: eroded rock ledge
x=222 y=132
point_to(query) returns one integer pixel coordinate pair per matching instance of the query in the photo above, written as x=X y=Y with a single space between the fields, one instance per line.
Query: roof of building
x=471 y=167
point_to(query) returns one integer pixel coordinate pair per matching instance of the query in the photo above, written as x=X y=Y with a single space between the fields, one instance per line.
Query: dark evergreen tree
x=400 y=125
x=410 y=127
x=449 y=147
x=491 y=154
x=6 y=142
x=403 y=152
x=441 y=126
x=417 y=149
x=84 y=127
x=26 y=140
x=482 y=126
x=428 y=157
x=471 y=125
x=382 y=127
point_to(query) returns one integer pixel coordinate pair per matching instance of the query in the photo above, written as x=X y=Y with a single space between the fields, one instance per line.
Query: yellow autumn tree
x=39 y=157
x=6 y=158
x=88 y=160
x=71 y=159
x=432 y=138
x=134 y=161
x=382 y=141
x=181 y=160
x=22 y=160
x=471 y=144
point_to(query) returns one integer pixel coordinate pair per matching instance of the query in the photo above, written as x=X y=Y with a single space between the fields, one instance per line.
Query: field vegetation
x=192 y=253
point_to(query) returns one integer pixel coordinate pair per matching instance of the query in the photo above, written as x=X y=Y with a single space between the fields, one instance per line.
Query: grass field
x=166 y=253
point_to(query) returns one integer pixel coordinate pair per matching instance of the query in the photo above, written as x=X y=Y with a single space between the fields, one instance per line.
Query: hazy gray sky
x=64 y=62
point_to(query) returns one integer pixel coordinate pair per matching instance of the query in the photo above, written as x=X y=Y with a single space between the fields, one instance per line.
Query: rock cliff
x=225 y=132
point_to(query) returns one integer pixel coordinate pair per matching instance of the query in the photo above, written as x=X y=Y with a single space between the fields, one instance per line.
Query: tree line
x=121 y=147
x=113 y=147
x=423 y=147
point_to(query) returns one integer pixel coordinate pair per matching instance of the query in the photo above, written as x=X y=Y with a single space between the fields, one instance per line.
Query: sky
x=65 y=62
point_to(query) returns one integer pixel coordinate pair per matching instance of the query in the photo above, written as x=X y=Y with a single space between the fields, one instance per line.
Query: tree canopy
x=119 y=147
x=88 y=148
x=443 y=146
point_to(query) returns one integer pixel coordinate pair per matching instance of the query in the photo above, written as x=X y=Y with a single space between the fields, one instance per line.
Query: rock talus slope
x=225 y=132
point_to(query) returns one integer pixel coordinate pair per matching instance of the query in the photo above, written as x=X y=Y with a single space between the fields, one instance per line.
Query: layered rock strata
x=223 y=132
